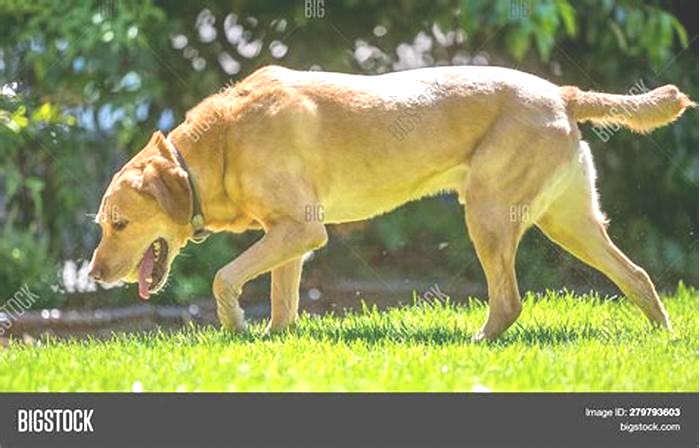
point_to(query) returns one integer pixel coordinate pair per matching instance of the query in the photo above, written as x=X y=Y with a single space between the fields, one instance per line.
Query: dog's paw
x=228 y=309
x=280 y=327
x=232 y=319
x=230 y=313
x=662 y=323
x=480 y=337
x=484 y=336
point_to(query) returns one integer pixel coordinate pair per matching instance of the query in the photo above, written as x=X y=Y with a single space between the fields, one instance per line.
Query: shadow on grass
x=554 y=336
x=518 y=335
x=376 y=329
x=398 y=333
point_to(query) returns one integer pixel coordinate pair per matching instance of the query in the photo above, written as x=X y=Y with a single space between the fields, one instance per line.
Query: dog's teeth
x=149 y=279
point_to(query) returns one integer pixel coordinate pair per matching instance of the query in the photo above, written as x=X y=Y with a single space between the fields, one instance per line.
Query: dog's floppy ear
x=167 y=183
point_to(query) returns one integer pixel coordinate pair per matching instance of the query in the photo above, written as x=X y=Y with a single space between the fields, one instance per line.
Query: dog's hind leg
x=284 y=294
x=495 y=238
x=509 y=178
x=495 y=226
x=573 y=221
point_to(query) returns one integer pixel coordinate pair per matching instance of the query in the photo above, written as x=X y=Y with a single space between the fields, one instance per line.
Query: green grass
x=561 y=343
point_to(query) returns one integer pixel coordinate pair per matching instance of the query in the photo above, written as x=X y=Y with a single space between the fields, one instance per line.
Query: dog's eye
x=119 y=225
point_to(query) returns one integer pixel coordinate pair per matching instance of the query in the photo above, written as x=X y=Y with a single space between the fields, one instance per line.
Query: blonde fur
x=283 y=143
x=641 y=113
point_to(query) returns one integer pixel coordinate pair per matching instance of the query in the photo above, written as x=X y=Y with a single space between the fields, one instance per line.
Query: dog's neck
x=204 y=156
x=200 y=233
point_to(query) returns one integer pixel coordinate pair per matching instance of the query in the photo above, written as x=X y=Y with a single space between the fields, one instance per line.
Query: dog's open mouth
x=153 y=268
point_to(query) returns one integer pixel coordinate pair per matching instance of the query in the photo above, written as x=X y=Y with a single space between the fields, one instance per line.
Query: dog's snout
x=95 y=271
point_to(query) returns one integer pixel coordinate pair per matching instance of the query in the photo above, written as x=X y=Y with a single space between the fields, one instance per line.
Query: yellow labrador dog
x=282 y=145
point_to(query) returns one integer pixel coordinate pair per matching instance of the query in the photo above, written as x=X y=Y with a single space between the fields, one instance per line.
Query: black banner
x=358 y=420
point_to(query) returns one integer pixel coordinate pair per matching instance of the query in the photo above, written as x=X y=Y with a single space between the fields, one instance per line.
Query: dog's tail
x=641 y=113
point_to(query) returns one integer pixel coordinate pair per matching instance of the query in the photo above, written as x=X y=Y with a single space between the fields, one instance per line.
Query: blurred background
x=83 y=87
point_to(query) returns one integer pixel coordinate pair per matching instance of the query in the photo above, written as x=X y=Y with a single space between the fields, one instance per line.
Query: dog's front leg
x=285 y=240
x=284 y=294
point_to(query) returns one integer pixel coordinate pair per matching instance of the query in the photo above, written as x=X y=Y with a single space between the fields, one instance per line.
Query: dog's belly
x=350 y=203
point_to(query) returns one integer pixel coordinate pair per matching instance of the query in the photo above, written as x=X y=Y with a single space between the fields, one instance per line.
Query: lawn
x=562 y=342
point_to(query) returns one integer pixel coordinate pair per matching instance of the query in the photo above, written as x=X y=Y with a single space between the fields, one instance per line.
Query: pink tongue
x=145 y=271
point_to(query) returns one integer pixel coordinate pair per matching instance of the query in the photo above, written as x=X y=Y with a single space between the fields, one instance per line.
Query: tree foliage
x=83 y=87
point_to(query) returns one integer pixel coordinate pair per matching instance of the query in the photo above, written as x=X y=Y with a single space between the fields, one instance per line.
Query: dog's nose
x=95 y=272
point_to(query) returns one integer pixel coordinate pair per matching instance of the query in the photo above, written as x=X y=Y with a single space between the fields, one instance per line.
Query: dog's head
x=145 y=219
